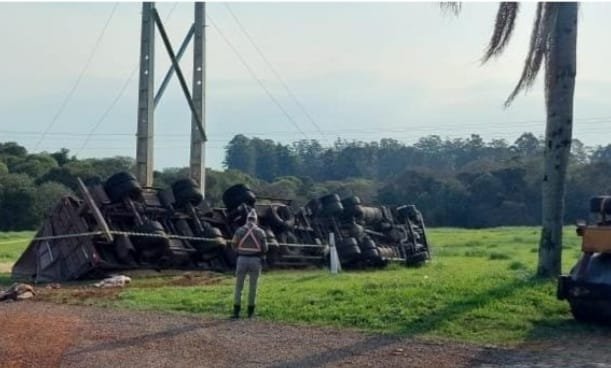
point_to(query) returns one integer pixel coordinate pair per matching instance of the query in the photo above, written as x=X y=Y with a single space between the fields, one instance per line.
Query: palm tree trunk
x=560 y=71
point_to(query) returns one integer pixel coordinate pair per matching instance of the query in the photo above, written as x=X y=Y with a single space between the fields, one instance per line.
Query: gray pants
x=250 y=266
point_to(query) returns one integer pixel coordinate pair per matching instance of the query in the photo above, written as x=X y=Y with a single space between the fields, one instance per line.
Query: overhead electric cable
x=78 y=79
x=119 y=95
x=254 y=76
x=600 y=122
x=275 y=71
x=107 y=111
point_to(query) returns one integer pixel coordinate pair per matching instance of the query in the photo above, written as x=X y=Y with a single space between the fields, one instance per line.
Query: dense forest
x=455 y=182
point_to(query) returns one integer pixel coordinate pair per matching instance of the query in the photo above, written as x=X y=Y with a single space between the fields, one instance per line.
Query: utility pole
x=147 y=100
x=197 y=167
x=144 y=147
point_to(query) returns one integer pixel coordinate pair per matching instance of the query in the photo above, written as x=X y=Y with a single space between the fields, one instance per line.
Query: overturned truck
x=118 y=225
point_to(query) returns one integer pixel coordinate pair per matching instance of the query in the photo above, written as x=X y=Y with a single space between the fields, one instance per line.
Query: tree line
x=463 y=182
x=455 y=182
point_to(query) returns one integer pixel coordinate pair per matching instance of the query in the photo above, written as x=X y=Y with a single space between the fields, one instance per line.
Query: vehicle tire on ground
x=416 y=259
x=591 y=311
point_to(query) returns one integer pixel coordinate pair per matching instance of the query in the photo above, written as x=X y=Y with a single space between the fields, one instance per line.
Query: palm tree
x=553 y=40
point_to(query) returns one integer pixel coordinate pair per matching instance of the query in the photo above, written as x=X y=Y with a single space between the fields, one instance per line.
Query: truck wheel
x=348 y=250
x=331 y=205
x=122 y=185
x=187 y=191
x=280 y=217
x=237 y=195
x=356 y=231
x=313 y=207
x=581 y=311
x=151 y=247
x=351 y=201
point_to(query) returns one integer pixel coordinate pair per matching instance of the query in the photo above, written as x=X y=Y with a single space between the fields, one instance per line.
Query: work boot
x=236 y=312
x=251 y=310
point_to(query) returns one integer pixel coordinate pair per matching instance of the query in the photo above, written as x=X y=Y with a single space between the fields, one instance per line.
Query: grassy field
x=12 y=245
x=479 y=287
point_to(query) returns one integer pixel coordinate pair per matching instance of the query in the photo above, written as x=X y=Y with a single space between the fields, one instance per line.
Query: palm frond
x=453 y=7
x=503 y=28
x=537 y=51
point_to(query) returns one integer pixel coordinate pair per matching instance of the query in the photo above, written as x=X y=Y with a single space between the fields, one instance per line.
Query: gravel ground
x=40 y=334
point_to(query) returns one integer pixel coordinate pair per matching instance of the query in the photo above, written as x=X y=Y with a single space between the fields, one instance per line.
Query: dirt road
x=39 y=334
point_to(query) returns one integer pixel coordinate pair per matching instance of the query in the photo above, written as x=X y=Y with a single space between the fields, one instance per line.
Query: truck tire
x=351 y=201
x=122 y=185
x=281 y=218
x=187 y=191
x=369 y=250
x=591 y=311
x=331 y=205
x=238 y=215
x=313 y=207
x=416 y=259
x=356 y=231
x=237 y=195
x=370 y=215
x=348 y=250
x=213 y=243
x=151 y=247
x=124 y=250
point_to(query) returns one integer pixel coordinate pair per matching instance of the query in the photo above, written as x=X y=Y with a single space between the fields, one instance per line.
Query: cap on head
x=252 y=216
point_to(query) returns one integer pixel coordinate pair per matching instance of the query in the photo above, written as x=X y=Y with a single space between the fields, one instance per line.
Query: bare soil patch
x=35 y=339
x=40 y=334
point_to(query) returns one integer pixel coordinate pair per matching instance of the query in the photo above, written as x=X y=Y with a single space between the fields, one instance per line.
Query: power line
x=106 y=148
x=254 y=76
x=119 y=95
x=78 y=80
x=407 y=127
x=274 y=71
x=107 y=111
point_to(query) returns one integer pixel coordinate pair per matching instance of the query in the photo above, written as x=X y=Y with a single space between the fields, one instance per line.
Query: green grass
x=12 y=245
x=479 y=288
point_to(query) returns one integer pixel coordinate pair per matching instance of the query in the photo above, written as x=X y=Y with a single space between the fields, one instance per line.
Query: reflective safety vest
x=249 y=244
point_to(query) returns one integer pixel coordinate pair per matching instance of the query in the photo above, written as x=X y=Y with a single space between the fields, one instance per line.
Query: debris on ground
x=18 y=291
x=114 y=281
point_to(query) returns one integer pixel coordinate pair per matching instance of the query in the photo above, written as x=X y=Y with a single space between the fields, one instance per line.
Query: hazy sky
x=362 y=71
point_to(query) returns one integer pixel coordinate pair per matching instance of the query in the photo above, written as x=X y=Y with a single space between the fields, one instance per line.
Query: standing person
x=250 y=244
